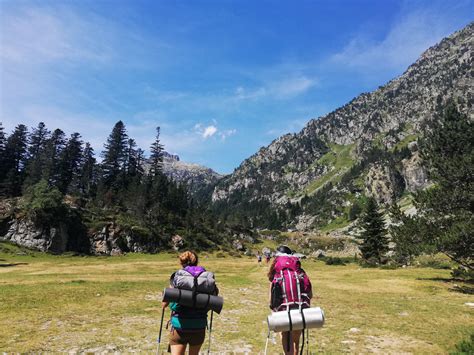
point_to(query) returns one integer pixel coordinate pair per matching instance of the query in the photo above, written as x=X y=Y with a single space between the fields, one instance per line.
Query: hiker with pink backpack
x=290 y=289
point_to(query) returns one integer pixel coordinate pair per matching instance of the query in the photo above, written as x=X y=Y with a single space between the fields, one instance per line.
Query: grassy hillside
x=338 y=160
x=66 y=303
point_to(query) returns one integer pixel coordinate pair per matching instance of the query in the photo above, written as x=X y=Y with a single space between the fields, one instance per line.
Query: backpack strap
x=298 y=288
x=288 y=340
x=285 y=297
x=195 y=284
x=291 y=285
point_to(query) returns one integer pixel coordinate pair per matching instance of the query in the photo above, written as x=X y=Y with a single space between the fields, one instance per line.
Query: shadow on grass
x=445 y=279
x=468 y=290
x=460 y=285
x=12 y=264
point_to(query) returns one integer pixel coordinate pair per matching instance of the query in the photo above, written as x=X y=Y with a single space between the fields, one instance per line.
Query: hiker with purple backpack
x=188 y=324
x=290 y=288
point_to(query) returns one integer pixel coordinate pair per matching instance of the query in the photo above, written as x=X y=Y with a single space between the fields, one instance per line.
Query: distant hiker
x=259 y=259
x=188 y=325
x=267 y=258
x=289 y=287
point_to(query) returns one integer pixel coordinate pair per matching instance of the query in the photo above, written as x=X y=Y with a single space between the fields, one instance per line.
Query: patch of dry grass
x=65 y=303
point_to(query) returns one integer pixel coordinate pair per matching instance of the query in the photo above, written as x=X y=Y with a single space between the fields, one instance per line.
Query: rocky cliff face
x=296 y=166
x=110 y=240
x=196 y=177
x=44 y=238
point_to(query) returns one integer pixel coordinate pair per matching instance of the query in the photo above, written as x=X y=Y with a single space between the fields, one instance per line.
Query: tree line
x=44 y=167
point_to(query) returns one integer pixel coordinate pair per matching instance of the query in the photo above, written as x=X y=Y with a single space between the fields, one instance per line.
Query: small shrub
x=334 y=261
x=437 y=261
x=44 y=204
x=389 y=267
x=465 y=346
x=220 y=255
x=235 y=254
x=463 y=274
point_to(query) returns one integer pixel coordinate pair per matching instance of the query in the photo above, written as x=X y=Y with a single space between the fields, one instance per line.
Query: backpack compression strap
x=285 y=297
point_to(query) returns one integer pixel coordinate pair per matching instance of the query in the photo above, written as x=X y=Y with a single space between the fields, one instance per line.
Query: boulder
x=176 y=242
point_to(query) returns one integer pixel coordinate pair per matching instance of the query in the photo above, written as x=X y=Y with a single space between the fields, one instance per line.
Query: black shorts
x=183 y=337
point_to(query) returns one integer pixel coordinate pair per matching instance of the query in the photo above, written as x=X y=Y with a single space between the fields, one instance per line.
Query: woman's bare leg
x=194 y=349
x=178 y=349
x=294 y=344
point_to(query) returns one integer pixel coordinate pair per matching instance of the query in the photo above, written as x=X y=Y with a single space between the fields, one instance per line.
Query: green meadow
x=107 y=304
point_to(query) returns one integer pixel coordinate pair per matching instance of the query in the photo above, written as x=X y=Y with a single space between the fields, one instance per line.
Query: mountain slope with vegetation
x=321 y=176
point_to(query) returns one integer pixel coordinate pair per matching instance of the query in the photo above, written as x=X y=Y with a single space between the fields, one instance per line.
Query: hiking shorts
x=191 y=337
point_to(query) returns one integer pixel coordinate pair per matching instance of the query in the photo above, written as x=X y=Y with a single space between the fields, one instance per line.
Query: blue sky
x=222 y=78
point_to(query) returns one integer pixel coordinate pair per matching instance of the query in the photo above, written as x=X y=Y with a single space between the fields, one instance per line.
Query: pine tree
x=69 y=163
x=114 y=155
x=54 y=147
x=445 y=218
x=131 y=158
x=140 y=162
x=3 y=162
x=375 y=243
x=87 y=171
x=36 y=157
x=15 y=160
x=156 y=156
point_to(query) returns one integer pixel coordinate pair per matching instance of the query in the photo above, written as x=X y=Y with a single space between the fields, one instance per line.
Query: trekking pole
x=161 y=328
x=266 y=343
x=210 y=332
x=307 y=341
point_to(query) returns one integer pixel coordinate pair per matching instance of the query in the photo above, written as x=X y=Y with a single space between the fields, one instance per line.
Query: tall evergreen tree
x=131 y=158
x=445 y=218
x=374 y=240
x=87 y=171
x=36 y=157
x=3 y=143
x=156 y=156
x=114 y=154
x=15 y=160
x=54 y=147
x=69 y=164
x=140 y=162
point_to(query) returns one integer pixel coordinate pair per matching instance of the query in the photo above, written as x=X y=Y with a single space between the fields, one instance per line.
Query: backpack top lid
x=195 y=270
x=286 y=261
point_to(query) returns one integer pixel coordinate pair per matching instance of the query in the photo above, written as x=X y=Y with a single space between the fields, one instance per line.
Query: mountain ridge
x=395 y=112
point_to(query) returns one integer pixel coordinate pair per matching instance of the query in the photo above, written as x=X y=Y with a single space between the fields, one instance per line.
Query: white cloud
x=408 y=37
x=245 y=94
x=286 y=87
x=212 y=130
x=227 y=133
x=292 y=86
x=37 y=36
x=209 y=131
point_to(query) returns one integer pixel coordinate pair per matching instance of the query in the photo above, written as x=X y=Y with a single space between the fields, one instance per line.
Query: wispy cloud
x=412 y=33
x=227 y=133
x=292 y=86
x=209 y=131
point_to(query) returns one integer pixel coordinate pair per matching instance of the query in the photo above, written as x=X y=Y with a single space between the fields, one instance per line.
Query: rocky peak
x=296 y=165
x=195 y=176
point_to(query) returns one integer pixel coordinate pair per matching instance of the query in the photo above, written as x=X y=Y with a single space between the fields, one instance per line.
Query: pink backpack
x=291 y=287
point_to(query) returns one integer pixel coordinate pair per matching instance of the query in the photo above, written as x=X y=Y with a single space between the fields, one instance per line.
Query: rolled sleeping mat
x=185 y=298
x=280 y=322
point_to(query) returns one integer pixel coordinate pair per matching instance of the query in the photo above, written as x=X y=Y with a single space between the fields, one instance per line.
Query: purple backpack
x=291 y=287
